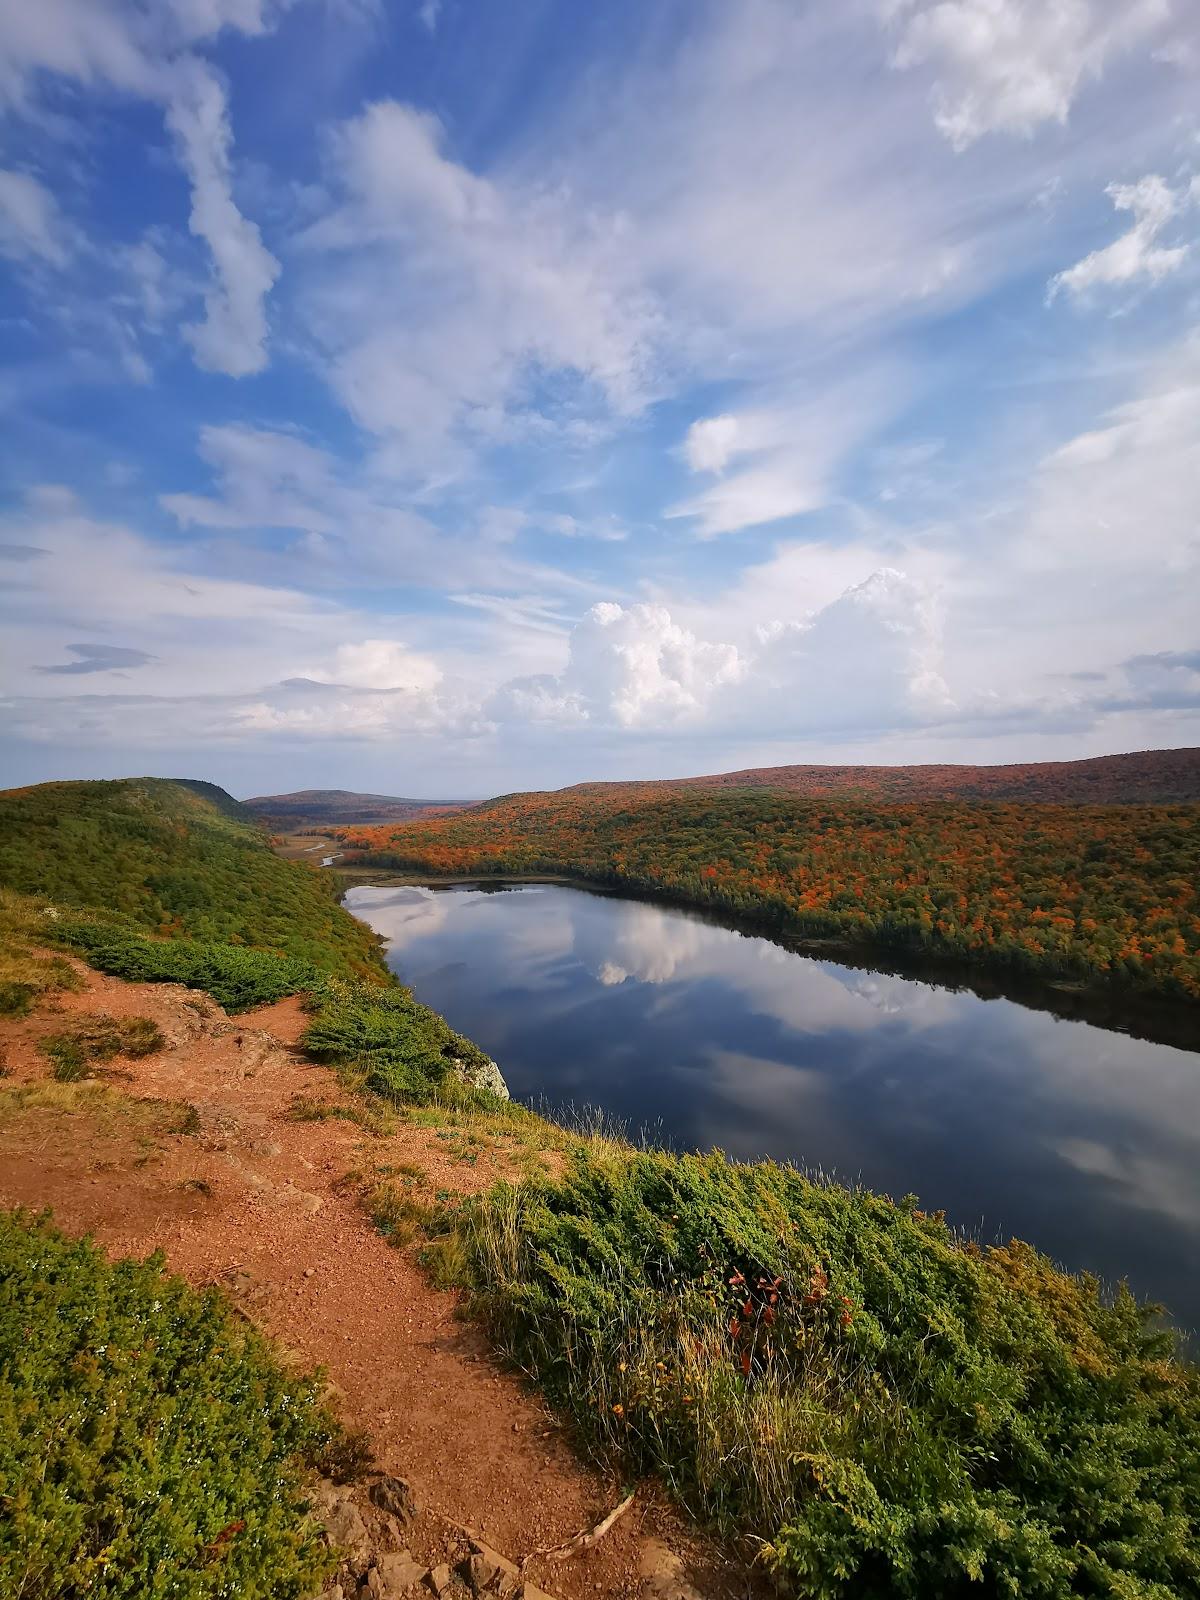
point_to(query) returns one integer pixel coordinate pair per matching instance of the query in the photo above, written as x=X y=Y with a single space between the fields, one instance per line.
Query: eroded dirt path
x=238 y=1192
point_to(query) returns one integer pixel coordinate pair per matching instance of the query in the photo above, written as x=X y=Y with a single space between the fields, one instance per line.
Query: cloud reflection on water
x=1086 y=1141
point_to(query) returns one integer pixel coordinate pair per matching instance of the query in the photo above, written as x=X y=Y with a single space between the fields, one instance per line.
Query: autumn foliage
x=1102 y=893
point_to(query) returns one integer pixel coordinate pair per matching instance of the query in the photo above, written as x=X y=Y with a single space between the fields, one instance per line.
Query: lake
x=1083 y=1140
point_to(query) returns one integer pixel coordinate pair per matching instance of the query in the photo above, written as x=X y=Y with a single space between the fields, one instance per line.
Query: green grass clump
x=150 y=1444
x=99 y=1038
x=236 y=977
x=394 y=1045
x=893 y=1412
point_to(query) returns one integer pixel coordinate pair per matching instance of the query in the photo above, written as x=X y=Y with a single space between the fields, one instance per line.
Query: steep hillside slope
x=174 y=859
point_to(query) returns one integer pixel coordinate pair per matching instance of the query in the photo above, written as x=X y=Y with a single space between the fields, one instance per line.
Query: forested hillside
x=1144 y=777
x=316 y=808
x=1103 y=893
x=175 y=860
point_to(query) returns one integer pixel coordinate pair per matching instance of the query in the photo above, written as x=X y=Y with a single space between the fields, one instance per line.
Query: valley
x=797 y=1353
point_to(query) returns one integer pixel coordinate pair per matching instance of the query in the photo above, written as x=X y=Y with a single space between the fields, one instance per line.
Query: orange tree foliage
x=1104 y=893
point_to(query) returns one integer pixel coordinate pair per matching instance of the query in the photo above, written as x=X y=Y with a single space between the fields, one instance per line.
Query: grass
x=27 y=975
x=94 y=1037
x=885 y=1410
x=151 y=1444
x=386 y=1041
x=106 y=1111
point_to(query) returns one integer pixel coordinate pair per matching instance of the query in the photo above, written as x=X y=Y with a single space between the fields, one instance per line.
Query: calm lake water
x=1082 y=1140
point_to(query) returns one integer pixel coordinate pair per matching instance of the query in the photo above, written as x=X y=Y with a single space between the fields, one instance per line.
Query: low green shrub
x=895 y=1413
x=399 y=1048
x=236 y=977
x=151 y=1447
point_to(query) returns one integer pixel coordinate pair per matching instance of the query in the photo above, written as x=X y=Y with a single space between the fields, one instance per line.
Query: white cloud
x=381 y=664
x=233 y=336
x=139 y=52
x=1153 y=204
x=1007 y=66
x=710 y=443
x=871 y=659
x=443 y=298
x=30 y=222
x=632 y=667
x=780 y=458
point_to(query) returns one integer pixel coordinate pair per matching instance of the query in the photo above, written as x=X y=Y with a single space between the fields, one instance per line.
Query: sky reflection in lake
x=1085 y=1141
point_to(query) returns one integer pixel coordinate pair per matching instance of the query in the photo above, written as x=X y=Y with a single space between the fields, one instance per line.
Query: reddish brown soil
x=250 y=1199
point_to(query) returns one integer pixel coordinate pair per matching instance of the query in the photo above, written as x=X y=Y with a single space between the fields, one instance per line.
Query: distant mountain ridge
x=317 y=807
x=1150 y=777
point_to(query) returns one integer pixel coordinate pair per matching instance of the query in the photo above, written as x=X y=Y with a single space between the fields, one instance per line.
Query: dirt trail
x=249 y=1198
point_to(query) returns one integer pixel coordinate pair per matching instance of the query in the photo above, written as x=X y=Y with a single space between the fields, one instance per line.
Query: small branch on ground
x=586 y=1539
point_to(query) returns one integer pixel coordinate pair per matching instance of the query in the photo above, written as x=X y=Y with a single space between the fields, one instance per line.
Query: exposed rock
x=488 y=1076
x=394 y=1576
x=347 y=1532
x=393 y=1495
x=486 y=1570
x=662 y=1573
x=440 y=1579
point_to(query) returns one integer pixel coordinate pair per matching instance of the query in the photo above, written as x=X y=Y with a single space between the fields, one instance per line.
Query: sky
x=444 y=397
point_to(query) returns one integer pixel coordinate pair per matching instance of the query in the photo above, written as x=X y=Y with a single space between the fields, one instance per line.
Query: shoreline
x=1136 y=1013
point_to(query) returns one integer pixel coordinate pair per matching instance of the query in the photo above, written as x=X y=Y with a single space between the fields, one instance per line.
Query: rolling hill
x=314 y=808
x=178 y=859
x=1142 y=777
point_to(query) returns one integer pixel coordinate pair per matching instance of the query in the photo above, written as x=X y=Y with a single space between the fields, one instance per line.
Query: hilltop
x=1142 y=777
x=314 y=808
x=180 y=860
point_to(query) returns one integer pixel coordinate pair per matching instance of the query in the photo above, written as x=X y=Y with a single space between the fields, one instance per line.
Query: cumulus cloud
x=1136 y=254
x=871 y=659
x=1007 y=66
x=710 y=442
x=381 y=664
x=632 y=667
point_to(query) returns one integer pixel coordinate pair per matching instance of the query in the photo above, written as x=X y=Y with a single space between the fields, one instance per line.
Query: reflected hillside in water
x=1083 y=1140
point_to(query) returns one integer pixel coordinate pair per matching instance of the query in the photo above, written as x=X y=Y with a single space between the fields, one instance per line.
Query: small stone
x=309 y=1271
x=393 y=1495
x=395 y=1575
x=480 y=1572
x=347 y=1533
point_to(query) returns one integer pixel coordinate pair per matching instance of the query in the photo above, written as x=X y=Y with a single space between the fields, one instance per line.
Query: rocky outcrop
x=488 y=1076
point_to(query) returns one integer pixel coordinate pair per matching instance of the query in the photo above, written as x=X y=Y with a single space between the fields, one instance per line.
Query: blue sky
x=451 y=397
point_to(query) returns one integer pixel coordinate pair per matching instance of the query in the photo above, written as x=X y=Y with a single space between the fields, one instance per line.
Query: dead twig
x=586 y=1539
